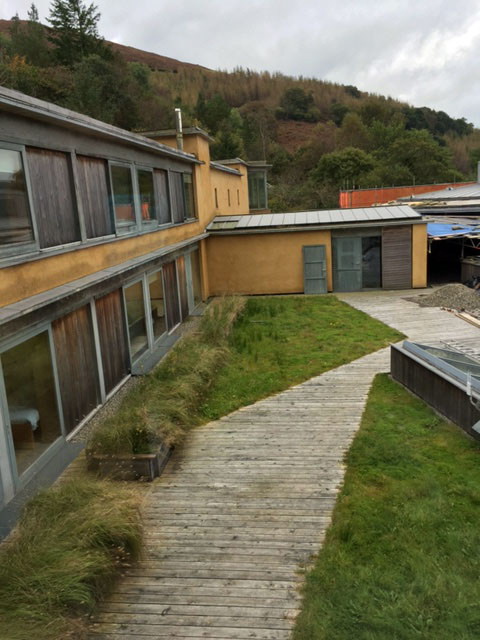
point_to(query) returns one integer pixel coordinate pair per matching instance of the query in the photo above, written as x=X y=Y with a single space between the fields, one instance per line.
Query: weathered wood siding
x=113 y=339
x=92 y=178
x=182 y=286
x=397 y=257
x=53 y=197
x=440 y=394
x=161 y=194
x=77 y=366
x=171 y=295
x=178 y=202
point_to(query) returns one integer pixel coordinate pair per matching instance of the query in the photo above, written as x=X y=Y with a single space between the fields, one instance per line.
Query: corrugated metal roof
x=314 y=218
x=451 y=193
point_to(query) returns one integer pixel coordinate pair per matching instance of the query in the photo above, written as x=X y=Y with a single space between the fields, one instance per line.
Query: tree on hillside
x=212 y=112
x=74 y=33
x=28 y=40
x=340 y=167
x=296 y=104
x=353 y=133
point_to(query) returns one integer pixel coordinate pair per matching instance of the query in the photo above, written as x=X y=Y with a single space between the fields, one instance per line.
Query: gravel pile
x=452 y=296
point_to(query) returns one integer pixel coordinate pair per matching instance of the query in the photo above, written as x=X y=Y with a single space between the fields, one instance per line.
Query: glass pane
x=157 y=304
x=188 y=191
x=147 y=198
x=31 y=398
x=137 y=327
x=123 y=196
x=15 y=221
x=371 y=262
x=257 y=190
x=196 y=277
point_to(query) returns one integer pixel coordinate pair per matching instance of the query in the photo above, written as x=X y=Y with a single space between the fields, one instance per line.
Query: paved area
x=235 y=518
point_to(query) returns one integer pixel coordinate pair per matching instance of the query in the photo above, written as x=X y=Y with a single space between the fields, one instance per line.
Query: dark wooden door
x=113 y=339
x=77 y=365
x=397 y=257
x=182 y=286
x=171 y=295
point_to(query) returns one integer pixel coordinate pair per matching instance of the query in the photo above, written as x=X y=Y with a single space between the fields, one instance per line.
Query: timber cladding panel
x=77 y=366
x=397 y=257
x=182 y=286
x=171 y=295
x=161 y=193
x=113 y=339
x=53 y=197
x=93 y=186
x=178 y=202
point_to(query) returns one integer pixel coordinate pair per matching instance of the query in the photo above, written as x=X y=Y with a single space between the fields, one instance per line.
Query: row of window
x=39 y=208
x=53 y=377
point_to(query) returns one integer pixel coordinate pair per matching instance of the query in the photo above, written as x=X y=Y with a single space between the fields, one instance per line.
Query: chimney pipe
x=478 y=171
x=178 y=126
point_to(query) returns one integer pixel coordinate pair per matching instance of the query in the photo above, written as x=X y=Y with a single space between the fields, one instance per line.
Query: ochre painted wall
x=30 y=278
x=419 y=256
x=238 y=186
x=262 y=263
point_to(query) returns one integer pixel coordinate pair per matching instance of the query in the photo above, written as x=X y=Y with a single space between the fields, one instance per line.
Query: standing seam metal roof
x=304 y=218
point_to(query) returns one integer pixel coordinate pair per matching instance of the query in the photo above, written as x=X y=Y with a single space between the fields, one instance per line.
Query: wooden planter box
x=141 y=466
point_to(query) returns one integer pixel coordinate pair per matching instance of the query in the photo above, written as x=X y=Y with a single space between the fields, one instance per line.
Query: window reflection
x=15 y=220
x=157 y=304
x=147 y=198
x=137 y=327
x=123 y=196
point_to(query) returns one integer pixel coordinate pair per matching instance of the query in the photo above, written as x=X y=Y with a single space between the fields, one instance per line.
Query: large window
x=157 y=304
x=123 y=200
x=137 y=326
x=31 y=398
x=147 y=197
x=15 y=219
x=257 y=190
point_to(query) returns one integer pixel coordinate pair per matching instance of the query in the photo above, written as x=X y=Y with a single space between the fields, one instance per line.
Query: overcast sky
x=425 y=52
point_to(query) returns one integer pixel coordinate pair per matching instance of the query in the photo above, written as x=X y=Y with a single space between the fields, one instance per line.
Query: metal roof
x=468 y=192
x=333 y=217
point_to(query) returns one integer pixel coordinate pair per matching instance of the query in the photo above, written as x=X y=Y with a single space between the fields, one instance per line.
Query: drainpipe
x=478 y=171
x=178 y=126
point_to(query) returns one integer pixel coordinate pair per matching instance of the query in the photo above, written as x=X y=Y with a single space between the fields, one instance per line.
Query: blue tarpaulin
x=439 y=230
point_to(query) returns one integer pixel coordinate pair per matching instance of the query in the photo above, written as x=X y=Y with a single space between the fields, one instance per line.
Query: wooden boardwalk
x=241 y=508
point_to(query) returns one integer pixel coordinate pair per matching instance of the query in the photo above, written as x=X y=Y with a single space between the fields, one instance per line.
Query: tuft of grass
x=166 y=404
x=281 y=341
x=401 y=558
x=69 y=545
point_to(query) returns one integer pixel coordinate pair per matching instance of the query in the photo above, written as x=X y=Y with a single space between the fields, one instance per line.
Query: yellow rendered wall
x=222 y=182
x=262 y=263
x=419 y=256
x=30 y=278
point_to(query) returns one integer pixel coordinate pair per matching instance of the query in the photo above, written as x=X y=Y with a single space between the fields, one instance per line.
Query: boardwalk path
x=248 y=499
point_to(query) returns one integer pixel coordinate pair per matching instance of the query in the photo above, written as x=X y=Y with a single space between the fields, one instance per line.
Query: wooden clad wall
x=113 y=339
x=171 y=295
x=77 y=366
x=178 y=202
x=92 y=178
x=161 y=194
x=53 y=197
x=397 y=257
x=182 y=286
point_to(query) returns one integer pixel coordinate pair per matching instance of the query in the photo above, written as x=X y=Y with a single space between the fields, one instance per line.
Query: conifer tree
x=74 y=32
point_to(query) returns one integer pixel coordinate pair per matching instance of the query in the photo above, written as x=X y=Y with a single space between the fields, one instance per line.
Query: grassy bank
x=69 y=545
x=401 y=559
x=165 y=405
x=281 y=341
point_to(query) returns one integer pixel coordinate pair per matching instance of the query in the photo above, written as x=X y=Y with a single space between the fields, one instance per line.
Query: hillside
x=319 y=136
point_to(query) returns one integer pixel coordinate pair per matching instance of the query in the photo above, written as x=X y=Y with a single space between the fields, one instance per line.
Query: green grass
x=281 y=341
x=71 y=542
x=165 y=405
x=402 y=556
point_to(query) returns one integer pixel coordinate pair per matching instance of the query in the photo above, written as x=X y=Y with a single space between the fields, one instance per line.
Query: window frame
x=147 y=311
x=33 y=245
x=152 y=223
x=194 y=204
x=135 y=226
x=20 y=480
x=147 y=274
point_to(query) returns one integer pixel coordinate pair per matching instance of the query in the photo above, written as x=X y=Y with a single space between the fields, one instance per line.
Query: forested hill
x=319 y=136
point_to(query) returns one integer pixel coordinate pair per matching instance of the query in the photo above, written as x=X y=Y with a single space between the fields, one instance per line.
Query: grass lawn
x=402 y=556
x=280 y=341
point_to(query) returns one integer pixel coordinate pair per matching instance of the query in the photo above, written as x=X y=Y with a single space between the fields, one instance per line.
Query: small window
x=123 y=202
x=147 y=197
x=15 y=219
x=228 y=197
x=257 y=190
x=216 y=198
x=238 y=196
x=188 y=195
